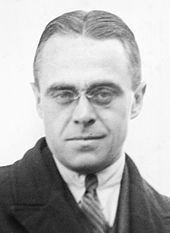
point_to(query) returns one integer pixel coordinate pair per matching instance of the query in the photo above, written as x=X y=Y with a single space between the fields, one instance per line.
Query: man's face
x=85 y=134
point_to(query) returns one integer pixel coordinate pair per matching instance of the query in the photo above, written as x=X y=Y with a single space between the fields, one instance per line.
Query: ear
x=37 y=95
x=138 y=100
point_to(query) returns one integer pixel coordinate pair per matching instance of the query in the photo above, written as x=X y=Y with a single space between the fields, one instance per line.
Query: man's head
x=87 y=87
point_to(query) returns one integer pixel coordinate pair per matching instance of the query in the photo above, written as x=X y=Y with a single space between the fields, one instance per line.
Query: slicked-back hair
x=97 y=25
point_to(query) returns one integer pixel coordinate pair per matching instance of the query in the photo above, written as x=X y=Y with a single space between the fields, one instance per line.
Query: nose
x=84 y=113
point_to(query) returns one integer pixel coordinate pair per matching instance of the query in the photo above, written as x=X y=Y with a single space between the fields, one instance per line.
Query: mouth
x=85 y=138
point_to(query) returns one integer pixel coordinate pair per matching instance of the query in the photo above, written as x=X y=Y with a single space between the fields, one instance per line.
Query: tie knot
x=91 y=183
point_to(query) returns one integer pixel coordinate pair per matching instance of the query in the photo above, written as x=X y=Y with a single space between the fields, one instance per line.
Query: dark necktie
x=91 y=207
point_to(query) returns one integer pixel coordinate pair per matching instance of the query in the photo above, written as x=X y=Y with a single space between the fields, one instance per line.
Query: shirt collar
x=108 y=177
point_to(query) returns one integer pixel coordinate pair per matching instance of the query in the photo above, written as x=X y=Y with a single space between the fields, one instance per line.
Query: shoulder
x=161 y=201
x=20 y=174
x=5 y=183
x=156 y=203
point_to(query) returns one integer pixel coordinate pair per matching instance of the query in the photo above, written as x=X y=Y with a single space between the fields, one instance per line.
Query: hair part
x=97 y=25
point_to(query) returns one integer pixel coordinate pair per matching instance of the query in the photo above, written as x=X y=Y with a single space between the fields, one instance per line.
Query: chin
x=86 y=168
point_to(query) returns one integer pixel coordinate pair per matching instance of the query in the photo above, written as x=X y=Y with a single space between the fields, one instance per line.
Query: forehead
x=81 y=60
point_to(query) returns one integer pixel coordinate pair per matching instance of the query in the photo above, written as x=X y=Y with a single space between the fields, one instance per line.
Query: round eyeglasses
x=99 y=96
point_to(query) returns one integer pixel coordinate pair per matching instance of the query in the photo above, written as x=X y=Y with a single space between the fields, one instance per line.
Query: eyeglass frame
x=112 y=89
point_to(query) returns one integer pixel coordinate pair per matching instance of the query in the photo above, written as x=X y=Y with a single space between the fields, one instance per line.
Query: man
x=78 y=179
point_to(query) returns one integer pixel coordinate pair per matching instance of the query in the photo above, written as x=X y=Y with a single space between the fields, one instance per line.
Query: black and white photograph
x=85 y=116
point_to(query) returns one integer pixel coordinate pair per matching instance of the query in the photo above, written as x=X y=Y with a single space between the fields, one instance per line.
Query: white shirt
x=108 y=186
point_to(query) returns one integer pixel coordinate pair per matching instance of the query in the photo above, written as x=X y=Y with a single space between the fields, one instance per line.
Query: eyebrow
x=62 y=86
x=57 y=87
x=105 y=84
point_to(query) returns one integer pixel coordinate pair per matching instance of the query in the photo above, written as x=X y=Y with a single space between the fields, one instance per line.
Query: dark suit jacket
x=35 y=199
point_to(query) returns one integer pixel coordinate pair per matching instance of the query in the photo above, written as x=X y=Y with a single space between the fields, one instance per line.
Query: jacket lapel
x=43 y=202
x=55 y=216
x=136 y=212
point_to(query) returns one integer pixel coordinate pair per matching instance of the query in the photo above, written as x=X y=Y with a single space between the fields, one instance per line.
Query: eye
x=103 y=96
x=64 y=96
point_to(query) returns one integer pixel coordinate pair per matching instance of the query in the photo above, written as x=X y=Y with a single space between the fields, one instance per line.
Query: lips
x=85 y=138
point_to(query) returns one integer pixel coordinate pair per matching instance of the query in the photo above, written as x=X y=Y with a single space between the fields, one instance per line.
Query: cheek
x=55 y=118
x=115 y=117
